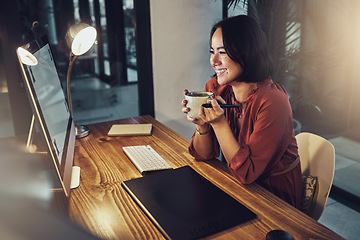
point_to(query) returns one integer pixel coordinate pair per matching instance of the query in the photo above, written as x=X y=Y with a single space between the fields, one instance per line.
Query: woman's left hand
x=214 y=114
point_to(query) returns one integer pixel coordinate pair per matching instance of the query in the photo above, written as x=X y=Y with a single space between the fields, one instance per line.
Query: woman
x=257 y=139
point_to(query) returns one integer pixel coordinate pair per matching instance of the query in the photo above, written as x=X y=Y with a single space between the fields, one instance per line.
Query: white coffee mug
x=195 y=100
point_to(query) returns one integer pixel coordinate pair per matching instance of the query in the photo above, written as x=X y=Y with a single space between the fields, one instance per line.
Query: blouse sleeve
x=267 y=138
x=214 y=154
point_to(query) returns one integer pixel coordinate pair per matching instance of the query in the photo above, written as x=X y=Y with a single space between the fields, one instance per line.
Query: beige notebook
x=130 y=130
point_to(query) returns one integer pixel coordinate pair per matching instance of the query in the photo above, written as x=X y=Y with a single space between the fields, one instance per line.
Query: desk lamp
x=80 y=38
x=26 y=57
x=29 y=59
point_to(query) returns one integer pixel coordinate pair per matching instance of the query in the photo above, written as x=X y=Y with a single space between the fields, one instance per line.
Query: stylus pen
x=208 y=105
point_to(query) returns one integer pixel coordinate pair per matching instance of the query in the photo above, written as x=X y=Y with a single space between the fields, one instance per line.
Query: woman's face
x=226 y=69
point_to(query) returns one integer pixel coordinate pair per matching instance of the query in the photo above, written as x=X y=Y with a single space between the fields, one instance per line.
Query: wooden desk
x=103 y=207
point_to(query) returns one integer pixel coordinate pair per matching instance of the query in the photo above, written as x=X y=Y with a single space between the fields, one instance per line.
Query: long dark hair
x=246 y=43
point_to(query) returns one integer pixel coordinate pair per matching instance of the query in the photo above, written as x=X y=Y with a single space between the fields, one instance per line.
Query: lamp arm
x=72 y=59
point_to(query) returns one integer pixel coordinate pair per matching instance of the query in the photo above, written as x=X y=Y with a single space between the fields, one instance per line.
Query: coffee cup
x=195 y=100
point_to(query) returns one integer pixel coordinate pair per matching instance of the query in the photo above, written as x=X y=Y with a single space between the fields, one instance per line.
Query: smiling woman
x=257 y=138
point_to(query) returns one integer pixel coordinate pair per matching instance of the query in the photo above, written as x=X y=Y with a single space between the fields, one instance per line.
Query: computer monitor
x=49 y=106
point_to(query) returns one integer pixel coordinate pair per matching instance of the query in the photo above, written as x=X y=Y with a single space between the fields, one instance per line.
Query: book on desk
x=185 y=205
x=130 y=130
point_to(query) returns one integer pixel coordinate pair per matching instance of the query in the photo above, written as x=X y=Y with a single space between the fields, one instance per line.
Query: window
x=104 y=81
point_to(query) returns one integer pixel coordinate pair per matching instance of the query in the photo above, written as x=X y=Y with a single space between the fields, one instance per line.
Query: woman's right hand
x=186 y=109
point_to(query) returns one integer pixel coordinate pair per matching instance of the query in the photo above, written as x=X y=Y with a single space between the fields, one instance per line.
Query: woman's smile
x=220 y=72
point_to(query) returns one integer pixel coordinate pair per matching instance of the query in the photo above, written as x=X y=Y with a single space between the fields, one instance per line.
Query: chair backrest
x=317 y=156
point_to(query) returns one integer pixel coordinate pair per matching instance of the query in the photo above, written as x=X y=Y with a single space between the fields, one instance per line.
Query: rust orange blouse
x=267 y=140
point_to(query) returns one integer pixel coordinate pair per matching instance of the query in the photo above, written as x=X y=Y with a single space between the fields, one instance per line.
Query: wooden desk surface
x=103 y=207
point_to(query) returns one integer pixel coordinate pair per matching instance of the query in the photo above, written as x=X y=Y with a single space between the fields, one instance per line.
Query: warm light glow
x=26 y=57
x=83 y=41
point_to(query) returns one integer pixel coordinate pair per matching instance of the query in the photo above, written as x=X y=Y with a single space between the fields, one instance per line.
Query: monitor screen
x=49 y=106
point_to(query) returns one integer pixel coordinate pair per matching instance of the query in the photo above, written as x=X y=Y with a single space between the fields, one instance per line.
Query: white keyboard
x=145 y=158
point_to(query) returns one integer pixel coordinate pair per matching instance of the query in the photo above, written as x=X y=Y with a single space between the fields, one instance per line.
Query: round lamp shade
x=26 y=57
x=80 y=38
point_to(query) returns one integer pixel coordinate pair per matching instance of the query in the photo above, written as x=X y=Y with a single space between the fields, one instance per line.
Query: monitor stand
x=32 y=148
x=75 y=177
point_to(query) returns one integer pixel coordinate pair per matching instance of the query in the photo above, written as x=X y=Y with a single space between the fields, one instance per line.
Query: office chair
x=317 y=156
